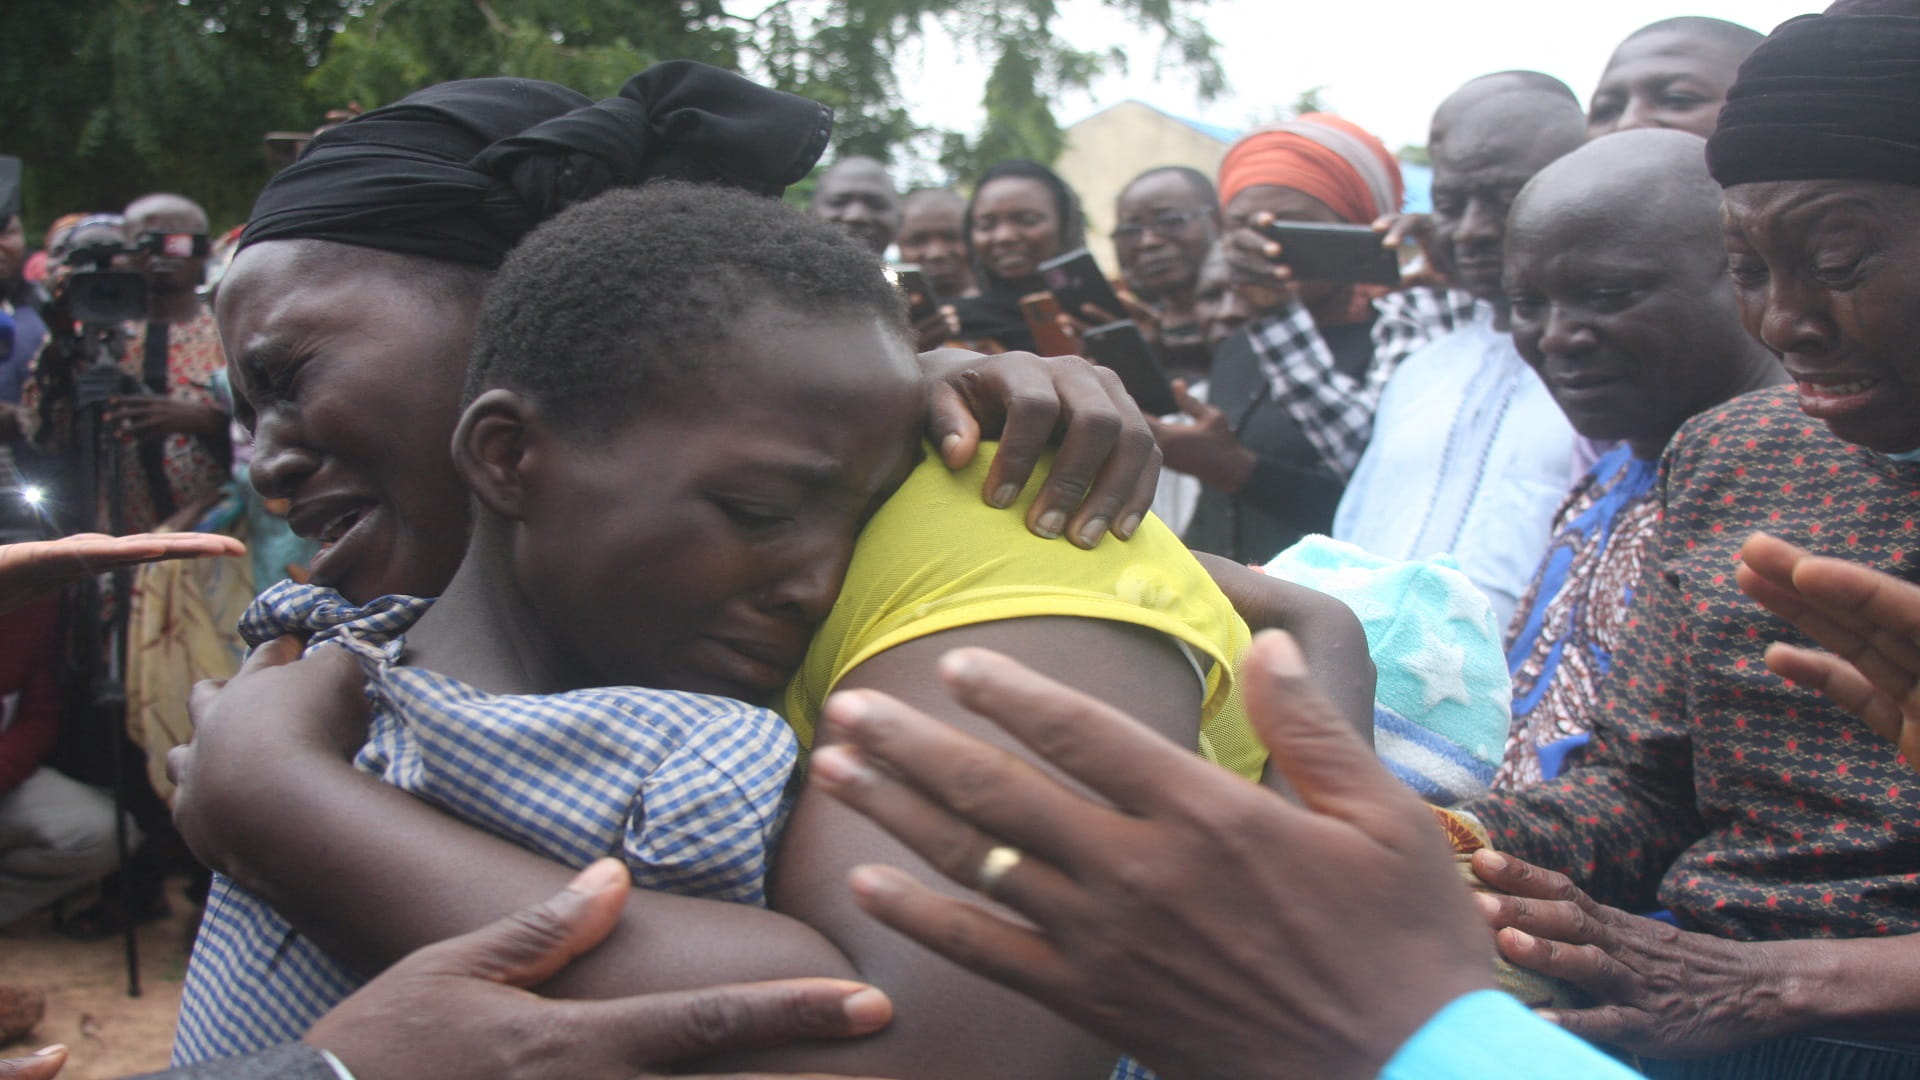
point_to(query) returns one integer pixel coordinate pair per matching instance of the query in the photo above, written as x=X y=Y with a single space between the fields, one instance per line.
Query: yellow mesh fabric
x=936 y=557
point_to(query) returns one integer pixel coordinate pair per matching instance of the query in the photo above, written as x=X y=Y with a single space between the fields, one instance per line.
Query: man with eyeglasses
x=1169 y=218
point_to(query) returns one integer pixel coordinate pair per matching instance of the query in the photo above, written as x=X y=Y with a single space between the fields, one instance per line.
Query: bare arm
x=373 y=873
x=948 y=1022
x=1328 y=633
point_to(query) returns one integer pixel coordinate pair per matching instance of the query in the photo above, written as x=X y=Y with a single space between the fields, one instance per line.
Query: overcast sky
x=1384 y=64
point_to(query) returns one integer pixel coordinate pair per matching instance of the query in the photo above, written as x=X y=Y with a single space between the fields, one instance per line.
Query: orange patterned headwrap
x=1326 y=157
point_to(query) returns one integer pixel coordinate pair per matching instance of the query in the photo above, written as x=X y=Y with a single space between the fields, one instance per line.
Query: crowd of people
x=1506 y=666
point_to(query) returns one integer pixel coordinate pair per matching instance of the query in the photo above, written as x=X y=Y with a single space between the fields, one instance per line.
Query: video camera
x=96 y=292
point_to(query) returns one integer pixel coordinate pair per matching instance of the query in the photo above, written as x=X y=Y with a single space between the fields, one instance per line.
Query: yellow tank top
x=936 y=557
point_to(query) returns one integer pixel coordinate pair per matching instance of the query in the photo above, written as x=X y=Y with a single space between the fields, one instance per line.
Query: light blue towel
x=1444 y=700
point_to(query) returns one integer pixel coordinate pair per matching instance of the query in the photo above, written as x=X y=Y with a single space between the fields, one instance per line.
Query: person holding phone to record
x=1290 y=399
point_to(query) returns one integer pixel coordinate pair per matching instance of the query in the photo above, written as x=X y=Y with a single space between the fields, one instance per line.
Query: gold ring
x=998 y=863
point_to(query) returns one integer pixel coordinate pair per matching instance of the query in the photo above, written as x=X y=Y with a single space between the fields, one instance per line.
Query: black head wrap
x=1825 y=97
x=462 y=170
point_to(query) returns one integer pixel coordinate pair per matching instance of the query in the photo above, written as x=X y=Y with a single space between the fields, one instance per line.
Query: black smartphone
x=1319 y=252
x=920 y=301
x=1075 y=281
x=1121 y=346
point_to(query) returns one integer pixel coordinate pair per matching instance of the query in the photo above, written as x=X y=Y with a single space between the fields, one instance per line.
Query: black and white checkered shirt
x=1334 y=409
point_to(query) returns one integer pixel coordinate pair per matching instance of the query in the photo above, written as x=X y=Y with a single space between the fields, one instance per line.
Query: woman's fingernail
x=1004 y=495
x=949 y=444
x=1128 y=526
x=845 y=710
x=49 y=1051
x=1493 y=860
x=867 y=1008
x=1284 y=654
x=872 y=882
x=839 y=765
x=604 y=874
x=1092 y=531
x=1051 y=524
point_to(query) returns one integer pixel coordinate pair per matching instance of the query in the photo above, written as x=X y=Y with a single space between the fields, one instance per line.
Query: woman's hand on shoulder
x=1107 y=464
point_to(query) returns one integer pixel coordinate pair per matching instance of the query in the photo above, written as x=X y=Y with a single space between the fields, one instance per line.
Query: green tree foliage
x=107 y=99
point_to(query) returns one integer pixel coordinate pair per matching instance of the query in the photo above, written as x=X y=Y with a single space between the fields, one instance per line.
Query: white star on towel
x=1444 y=677
x=1466 y=604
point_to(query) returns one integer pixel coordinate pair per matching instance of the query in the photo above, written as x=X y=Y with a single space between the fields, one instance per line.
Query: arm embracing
x=949 y=1023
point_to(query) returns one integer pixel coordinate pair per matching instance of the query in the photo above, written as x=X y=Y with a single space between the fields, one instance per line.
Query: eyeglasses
x=1165 y=225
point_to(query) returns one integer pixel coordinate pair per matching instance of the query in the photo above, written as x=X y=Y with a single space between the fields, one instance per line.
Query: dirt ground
x=111 y=1035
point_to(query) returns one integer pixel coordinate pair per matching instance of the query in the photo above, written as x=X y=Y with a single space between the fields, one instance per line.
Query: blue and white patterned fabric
x=688 y=789
x=1442 y=699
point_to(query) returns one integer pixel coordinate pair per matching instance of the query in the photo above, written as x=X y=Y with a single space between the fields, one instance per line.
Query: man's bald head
x=857 y=194
x=1650 y=183
x=1496 y=144
x=1616 y=272
x=163 y=205
x=1481 y=87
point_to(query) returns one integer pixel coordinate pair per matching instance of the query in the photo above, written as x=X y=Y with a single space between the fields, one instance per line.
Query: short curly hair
x=623 y=292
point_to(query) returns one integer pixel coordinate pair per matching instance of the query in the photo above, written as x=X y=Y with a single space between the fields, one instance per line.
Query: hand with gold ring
x=1334 y=929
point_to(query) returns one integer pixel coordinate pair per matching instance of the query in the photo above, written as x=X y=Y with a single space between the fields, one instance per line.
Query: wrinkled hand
x=151 y=416
x=1206 y=925
x=1870 y=621
x=38 y=567
x=456 y=1008
x=275 y=702
x=1107 y=466
x=44 y=1064
x=1659 y=990
x=1207 y=448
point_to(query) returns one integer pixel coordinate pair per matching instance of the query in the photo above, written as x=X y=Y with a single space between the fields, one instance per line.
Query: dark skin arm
x=1324 y=629
x=1114 y=663
x=373 y=873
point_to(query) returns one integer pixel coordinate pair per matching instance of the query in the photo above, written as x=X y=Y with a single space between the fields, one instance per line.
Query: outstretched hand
x=1205 y=924
x=1107 y=466
x=32 y=569
x=458 y=1008
x=1868 y=619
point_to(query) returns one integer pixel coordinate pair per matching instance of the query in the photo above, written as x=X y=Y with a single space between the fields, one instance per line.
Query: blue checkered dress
x=566 y=775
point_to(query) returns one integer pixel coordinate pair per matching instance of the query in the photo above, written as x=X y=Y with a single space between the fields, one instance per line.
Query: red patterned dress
x=1752 y=808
